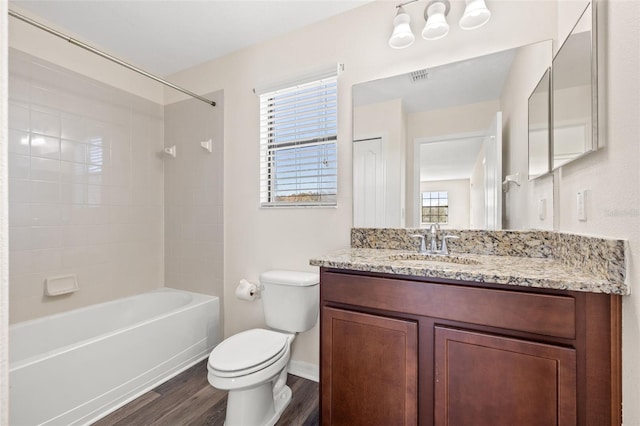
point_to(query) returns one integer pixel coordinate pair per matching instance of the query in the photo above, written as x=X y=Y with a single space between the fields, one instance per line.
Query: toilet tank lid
x=293 y=278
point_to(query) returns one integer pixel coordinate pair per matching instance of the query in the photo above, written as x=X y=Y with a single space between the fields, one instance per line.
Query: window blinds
x=298 y=149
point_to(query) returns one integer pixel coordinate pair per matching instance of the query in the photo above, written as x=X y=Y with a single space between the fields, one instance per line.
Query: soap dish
x=61 y=284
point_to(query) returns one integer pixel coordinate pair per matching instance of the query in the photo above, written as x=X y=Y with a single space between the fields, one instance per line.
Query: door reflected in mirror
x=439 y=131
x=575 y=94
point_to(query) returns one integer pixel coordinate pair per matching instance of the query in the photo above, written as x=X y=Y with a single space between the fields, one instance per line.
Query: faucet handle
x=423 y=246
x=445 y=249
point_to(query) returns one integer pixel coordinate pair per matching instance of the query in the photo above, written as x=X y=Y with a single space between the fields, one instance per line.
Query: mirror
x=427 y=145
x=574 y=97
x=539 y=128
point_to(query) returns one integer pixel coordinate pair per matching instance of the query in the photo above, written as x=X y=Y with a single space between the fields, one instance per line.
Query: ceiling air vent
x=420 y=75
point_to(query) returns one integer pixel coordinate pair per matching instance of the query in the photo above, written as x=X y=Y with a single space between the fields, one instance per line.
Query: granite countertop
x=510 y=270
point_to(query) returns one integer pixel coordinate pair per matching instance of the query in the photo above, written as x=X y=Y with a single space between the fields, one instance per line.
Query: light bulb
x=402 y=35
x=475 y=15
x=436 y=26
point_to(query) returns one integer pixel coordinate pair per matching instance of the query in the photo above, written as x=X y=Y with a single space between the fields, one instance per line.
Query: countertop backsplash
x=602 y=258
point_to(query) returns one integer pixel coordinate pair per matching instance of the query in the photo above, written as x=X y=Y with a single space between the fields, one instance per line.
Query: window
x=298 y=148
x=435 y=207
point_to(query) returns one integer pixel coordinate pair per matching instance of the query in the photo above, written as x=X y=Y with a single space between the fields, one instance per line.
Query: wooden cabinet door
x=369 y=369
x=482 y=379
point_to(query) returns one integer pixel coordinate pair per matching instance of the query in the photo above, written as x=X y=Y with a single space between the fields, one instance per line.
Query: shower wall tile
x=44 y=192
x=44 y=146
x=18 y=141
x=45 y=121
x=86 y=188
x=19 y=190
x=73 y=151
x=19 y=113
x=19 y=214
x=19 y=166
x=193 y=197
x=44 y=169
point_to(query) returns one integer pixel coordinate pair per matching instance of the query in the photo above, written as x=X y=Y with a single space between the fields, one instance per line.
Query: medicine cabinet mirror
x=575 y=92
x=539 y=127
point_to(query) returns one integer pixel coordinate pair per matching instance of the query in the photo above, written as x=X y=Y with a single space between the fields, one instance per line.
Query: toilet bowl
x=252 y=365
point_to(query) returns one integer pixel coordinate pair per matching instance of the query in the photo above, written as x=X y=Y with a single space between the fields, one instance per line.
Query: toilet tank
x=290 y=299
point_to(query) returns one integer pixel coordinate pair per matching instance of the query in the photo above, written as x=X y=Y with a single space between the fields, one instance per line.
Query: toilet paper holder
x=247 y=290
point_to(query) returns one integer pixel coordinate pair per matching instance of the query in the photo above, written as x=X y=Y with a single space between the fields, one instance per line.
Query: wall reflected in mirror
x=575 y=94
x=540 y=128
x=427 y=145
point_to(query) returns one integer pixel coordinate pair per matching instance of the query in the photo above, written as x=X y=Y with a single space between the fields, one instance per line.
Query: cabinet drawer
x=544 y=314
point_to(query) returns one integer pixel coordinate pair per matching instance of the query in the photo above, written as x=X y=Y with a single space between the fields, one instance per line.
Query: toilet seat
x=247 y=352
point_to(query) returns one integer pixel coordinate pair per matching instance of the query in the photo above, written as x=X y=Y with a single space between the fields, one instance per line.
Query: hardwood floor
x=189 y=399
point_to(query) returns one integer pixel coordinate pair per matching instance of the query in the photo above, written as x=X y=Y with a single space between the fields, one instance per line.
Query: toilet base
x=281 y=401
x=257 y=406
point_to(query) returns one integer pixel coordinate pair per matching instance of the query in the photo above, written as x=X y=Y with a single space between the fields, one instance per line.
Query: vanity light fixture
x=435 y=15
x=476 y=14
x=402 y=36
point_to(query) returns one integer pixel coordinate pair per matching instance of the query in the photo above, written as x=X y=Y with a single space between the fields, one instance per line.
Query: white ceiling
x=449 y=159
x=475 y=80
x=460 y=83
x=166 y=36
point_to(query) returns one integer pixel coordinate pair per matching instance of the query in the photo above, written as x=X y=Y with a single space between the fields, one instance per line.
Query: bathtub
x=75 y=367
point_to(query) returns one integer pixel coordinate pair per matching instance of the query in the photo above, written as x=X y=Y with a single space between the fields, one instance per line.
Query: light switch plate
x=581 y=208
x=542 y=209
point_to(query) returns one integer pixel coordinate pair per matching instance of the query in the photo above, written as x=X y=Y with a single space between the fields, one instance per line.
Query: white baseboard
x=305 y=370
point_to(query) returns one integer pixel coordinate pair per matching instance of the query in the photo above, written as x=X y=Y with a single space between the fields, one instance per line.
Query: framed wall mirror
x=428 y=145
x=575 y=93
x=539 y=119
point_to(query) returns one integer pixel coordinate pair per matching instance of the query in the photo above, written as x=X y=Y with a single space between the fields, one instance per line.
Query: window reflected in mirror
x=435 y=207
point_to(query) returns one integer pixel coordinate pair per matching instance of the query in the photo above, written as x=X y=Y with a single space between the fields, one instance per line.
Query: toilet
x=252 y=365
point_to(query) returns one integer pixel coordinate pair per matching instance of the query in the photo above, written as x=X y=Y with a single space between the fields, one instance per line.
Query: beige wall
x=459 y=200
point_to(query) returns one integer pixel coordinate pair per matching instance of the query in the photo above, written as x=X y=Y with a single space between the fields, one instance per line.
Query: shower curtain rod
x=107 y=56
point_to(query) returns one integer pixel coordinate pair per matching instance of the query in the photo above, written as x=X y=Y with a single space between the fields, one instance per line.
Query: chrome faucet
x=433 y=244
x=433 y=241
x=423 y=245
x=445 y=249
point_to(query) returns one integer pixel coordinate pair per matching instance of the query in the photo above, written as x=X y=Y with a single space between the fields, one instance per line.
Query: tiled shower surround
x=87 y=189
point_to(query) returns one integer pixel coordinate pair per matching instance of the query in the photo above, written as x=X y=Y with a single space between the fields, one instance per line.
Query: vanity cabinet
x=398 y=350
x=483 y=379
x=374 y=368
